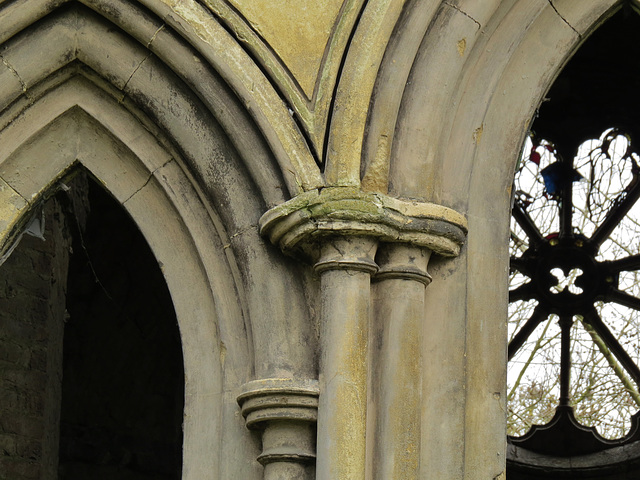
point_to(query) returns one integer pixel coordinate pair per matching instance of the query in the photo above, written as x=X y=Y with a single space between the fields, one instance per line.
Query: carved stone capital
x=401 y=261
x=296 y=225
x=348 y=253
x=287 y=411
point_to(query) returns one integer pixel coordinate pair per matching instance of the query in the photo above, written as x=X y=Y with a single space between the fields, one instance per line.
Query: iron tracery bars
x=574 y=242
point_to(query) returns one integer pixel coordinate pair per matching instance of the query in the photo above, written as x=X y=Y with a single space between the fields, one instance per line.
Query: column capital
x=402 y=261
x=279 y=399
x=297 y=225
x=287 y=411
x=343 y=252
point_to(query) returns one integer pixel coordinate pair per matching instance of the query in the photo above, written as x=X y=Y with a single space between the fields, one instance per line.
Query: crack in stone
x=335 y=245
x=155 y=35
x=455 y=7
x=237 y=234
x=563 y=19
x=26 y=201
x=124 y=87
x=148 y=180
x=243 y=231
x=17 y=75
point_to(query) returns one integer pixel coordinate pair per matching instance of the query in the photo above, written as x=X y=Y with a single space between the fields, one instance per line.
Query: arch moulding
x=458 y=135
x=193 y=171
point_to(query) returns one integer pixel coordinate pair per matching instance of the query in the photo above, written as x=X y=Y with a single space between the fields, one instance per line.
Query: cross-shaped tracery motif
x=567 y=281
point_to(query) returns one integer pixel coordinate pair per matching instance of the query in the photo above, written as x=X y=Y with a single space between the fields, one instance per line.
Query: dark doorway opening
x=123 y=388
x=95 y=369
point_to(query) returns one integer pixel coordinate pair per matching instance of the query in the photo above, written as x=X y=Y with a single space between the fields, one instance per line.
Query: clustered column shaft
x=399 y=294
x=368 y=419
x=345 y=267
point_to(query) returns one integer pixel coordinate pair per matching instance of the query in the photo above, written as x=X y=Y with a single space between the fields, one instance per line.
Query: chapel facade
x=284 y=225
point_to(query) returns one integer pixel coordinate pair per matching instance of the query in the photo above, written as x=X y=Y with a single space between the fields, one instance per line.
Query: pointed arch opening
x=123 y=376
x=77 y=126
x=93 y=355
x=574 y=312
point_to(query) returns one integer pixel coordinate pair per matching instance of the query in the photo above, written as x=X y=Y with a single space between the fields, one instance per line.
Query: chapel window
x=574 y=312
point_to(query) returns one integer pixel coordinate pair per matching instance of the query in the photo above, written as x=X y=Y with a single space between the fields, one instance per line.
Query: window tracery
x=574 y=327
x=575 y=301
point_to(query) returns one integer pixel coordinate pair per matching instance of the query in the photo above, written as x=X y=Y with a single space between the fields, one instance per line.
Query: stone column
x=337 y=229
x=345 y=267
x=398 y=315
x=286 y=411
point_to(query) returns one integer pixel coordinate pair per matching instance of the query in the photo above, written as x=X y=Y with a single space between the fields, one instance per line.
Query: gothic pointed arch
x=580 y=112
x=458 y=135
x=158 y=126
x=74 y=138
x=208 y=60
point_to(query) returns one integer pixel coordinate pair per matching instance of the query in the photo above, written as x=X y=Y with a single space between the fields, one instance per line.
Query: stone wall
x=32 y=311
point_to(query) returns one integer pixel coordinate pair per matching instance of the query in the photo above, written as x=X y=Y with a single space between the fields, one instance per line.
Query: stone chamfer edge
x=296 y=224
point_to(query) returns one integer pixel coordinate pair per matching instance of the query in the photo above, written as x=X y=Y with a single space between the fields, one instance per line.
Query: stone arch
x=458 y=134
x=179 y=149
x=76 y=138
x=195 y=123
x=170 y=30
x=76 y=35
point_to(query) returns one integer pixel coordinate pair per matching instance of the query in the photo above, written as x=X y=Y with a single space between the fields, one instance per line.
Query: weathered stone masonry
x=325 y=189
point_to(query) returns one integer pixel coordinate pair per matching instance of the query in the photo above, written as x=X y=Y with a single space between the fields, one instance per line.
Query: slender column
x=399 y=310
x=345 y=267
x=286 y=411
